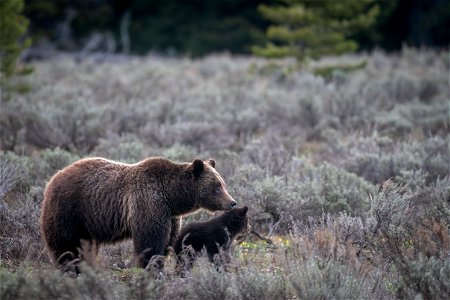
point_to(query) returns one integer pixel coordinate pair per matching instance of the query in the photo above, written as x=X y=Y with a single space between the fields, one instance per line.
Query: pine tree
x=314 y=28
x=13 y=26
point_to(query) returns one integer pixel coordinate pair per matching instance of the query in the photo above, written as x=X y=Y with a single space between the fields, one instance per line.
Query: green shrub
x=304 y=29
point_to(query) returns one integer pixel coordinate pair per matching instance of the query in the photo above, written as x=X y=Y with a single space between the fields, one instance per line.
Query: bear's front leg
x=174 y=230
x=149 y=243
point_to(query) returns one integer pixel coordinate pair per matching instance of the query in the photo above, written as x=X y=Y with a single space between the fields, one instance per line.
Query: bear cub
x=214 y=236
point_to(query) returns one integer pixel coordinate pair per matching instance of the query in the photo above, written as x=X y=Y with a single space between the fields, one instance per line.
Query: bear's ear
x=197 y=167
x=212 y=163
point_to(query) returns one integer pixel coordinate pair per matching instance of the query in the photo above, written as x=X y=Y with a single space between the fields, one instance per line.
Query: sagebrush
x=345 y=177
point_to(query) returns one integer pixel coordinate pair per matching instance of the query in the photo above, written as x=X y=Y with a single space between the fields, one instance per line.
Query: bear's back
x=93 y=192
x=84 y=179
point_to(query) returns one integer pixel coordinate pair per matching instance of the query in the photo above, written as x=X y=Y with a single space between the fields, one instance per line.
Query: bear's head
x=212 y=193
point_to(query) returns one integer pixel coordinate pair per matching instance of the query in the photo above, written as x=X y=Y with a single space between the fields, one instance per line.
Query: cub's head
x=211 y=188
x=237 y=217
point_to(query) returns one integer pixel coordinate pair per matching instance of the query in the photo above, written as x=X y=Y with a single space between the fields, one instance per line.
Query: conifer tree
x=314 y=28
x=13 y=26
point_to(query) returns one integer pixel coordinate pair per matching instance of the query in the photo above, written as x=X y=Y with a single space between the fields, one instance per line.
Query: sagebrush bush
x=433 y=201
x=398 y=231
x=329 y=280
x=24 y=284
x=333 y=189
x=309 y=156
x=126 y=148
x=20 y=239
x=270 y=155
x=208 y=283
x=253 y=283
x=15 y=175
x=73 y=125
x=380 y=158
x=13 y=117
x=411 y=242
x=11 y=175
x=309 y=192
x=142 y=287
x=23 y=180
x=328 y=259
x=48 y=162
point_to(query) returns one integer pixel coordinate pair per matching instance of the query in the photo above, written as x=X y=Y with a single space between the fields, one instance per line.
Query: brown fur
x=99 y=201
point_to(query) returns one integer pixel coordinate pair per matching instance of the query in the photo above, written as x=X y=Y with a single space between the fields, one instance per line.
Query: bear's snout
x=233 y=204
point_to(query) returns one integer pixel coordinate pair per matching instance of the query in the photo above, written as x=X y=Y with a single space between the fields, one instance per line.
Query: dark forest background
x=198 y=27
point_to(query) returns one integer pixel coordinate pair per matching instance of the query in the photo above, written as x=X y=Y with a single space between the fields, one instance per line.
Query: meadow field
x=346 y=174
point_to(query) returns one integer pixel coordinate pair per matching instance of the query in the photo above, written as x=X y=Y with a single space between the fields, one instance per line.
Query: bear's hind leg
x=69 y=247
x=67 y=258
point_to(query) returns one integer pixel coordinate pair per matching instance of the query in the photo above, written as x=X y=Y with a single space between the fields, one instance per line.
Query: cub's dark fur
x=213 y=236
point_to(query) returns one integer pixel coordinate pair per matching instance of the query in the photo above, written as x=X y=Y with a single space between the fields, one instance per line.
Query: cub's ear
x=212 y=163
x=244 y=210
x=197 y=167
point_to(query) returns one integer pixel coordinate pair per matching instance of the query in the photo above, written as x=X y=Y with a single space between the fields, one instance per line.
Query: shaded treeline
x=197 y=27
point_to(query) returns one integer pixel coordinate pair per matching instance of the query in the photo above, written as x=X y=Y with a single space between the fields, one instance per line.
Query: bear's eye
x=218 y=189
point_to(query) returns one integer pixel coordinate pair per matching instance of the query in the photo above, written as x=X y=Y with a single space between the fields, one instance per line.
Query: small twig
x=267 y=240
x=274 y=226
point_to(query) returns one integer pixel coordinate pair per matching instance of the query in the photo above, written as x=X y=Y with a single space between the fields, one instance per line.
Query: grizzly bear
x=97 y=201
x=214 y=236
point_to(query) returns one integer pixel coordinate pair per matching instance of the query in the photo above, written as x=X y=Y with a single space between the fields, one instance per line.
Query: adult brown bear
x=96 y=201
